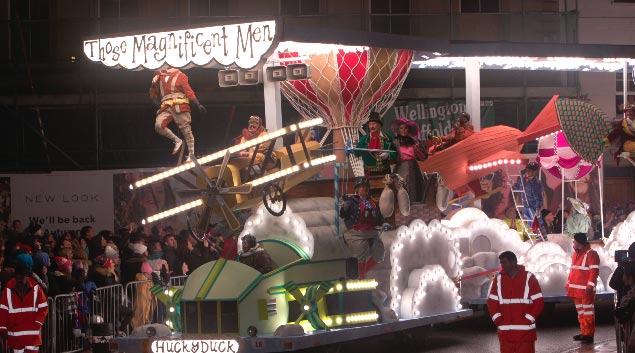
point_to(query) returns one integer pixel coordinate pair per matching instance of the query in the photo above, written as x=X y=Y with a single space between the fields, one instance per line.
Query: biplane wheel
x=274 y=199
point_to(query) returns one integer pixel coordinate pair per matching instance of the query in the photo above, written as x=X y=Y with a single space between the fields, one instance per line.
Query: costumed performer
x=624 y=132
x=362 y=218
x=376 y=163
x=255 y=256
x=578 y=220
x=172 y=92
x=462 y=130
x=532 y=197
x=255 y=128
x=409 y=152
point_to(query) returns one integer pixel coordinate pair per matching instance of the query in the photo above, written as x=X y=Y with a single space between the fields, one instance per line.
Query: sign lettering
x=194 y=346
x=242 y=45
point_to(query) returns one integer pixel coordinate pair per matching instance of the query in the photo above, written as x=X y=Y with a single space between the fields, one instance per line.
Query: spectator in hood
x=60 y=281
x=41 y=264
x=103 y=272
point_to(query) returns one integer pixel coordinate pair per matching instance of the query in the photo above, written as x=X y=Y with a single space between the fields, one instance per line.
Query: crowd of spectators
x=67 y=262
x=554 y=223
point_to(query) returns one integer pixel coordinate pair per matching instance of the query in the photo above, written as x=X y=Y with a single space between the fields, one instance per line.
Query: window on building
x=118 y=8
x=200 y=8
x=299 y=7
x=390 y=16
x=480 y=6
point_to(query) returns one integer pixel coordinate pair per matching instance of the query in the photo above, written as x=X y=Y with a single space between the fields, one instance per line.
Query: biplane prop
x=493 y=148
x=240 y=182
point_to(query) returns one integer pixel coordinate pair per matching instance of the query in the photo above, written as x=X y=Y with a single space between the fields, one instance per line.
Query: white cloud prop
x=553 y=279
x=430 y=291
x=412 y=252
x=464 y=217
x=472 y=288
x=490 y=235
x=289 y=227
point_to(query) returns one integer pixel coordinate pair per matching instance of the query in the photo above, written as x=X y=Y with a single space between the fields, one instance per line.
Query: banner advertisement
x=68 y=201
x=63 y=201
x=435 y=117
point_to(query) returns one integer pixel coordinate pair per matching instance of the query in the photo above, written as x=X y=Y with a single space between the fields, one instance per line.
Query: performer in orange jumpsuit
x=514 y=303
x=585 y=268
x=462 y=130
x=172 y=92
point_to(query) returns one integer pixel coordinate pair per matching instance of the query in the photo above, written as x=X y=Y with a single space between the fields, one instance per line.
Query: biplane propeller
x=212 y=196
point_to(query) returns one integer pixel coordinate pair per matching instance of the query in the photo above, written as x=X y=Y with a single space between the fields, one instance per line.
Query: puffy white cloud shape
x=416 y=247
x=289 y=226
x=464 y=217
x=553 y=279
x=472 y=288
x=550 y=263
x=430 y=291
x=623 y=234
x=492 y=235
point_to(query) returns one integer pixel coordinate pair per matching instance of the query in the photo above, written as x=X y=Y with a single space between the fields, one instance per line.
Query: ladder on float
x=517 y=196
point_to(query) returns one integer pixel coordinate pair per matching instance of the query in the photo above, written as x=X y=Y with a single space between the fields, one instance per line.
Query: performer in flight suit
x=172 y=92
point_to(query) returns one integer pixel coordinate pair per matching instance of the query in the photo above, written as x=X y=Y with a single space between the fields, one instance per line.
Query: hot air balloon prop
x=345 y=85
x=556 y=157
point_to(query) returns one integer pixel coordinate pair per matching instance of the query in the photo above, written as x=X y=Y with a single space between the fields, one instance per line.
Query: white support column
x=273 y=106
x=625 y=83
x=473 y=91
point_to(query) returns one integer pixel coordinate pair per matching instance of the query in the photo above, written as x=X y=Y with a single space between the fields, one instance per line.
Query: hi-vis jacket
x=514 y=305
x=22 y=318
x=172 y=89
x=585 y=268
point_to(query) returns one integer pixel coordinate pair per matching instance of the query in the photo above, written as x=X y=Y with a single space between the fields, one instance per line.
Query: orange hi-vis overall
x=514 y=305
x=22 y=317
x=585 y=268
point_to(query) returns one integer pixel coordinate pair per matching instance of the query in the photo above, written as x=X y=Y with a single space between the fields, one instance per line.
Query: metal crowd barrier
x=69 y=316
x=178 y=281
x=67 y=327
x=107 y=305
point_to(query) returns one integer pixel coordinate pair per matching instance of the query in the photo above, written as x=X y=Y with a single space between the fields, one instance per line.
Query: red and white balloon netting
x=347 y=83
x=556 y=157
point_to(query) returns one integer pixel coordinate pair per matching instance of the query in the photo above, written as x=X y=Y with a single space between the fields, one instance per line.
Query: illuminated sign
x=194 y=346
x=242 y=45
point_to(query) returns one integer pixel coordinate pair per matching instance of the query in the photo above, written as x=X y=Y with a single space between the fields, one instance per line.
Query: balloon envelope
x=556 y=157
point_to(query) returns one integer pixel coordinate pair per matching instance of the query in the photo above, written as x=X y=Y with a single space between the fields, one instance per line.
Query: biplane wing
x=268 y=138
x=222 y=189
